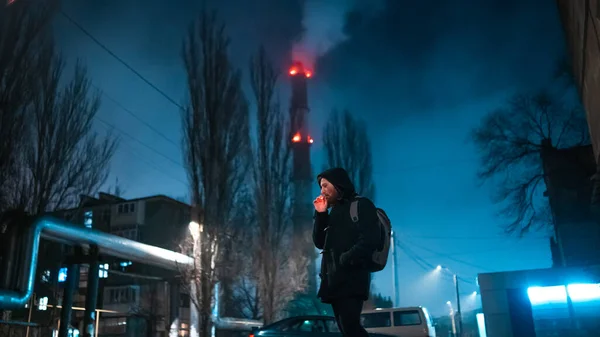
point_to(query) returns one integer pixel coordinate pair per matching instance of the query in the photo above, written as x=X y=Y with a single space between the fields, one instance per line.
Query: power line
x=108 y=126
x=483 y=251
x=120 y=60
x=156 y=168
x=428 y=266
x=136 y=116
x=448 y=257
x=446 y=163
x=415 y=258
x=139 y=141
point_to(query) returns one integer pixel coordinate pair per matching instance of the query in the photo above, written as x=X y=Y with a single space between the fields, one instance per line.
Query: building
x=567 y=175
x=543 y=302
x=563 y=300
x=581 y=23
x=133 y=298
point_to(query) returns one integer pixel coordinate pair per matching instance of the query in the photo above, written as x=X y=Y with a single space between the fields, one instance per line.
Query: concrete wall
x=581 y=22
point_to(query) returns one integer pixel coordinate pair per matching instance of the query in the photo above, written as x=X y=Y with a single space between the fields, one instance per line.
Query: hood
x=340 y=179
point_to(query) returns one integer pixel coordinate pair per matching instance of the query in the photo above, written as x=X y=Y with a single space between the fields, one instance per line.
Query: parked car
x=403 y=322
x=303 y=326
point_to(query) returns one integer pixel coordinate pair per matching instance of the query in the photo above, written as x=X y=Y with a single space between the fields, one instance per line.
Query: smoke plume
x=323 y=26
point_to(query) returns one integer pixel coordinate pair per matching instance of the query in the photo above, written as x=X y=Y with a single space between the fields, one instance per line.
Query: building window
x=46 y=276
x=131 y=233
x=184 y=330
x=126 y=208
x=62 y=275
x=184 y=300
x=103 y=271
x=112 y=326
x=88 y=219
x=106 y=215
x=117 y=295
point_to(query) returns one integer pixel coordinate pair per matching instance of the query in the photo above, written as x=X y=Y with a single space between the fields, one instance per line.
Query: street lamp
x=452 y=318
x=195 y=230
x=458 y=315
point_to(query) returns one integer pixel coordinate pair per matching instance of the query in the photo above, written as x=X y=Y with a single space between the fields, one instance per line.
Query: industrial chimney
x=302 y=169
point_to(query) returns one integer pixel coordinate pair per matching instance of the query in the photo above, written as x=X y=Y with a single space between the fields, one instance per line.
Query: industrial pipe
x=60 y=231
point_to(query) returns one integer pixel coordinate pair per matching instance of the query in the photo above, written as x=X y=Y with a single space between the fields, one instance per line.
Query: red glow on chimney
x=297 y=138
x=298 y=69
x=310 y=140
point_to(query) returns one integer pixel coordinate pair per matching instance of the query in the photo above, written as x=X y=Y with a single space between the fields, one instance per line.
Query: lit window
x=46 y=276
x=88 y=219
x=125 y=263
x=62 y=275
x=43 y=303
x=103 y=271
x=547 y=295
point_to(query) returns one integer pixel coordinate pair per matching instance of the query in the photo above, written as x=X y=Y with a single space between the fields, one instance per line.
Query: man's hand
x=320 y=204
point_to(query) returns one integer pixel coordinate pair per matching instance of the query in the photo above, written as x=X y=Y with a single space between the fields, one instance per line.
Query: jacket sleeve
x=320 y=223
x=368 y=237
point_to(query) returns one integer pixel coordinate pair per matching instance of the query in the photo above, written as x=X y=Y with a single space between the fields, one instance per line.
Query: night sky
x=421 y=73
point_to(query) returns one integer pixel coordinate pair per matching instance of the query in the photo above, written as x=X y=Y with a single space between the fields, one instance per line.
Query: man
x=346 y=246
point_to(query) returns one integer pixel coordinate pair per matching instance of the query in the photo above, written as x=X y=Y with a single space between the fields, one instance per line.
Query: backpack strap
x=354 y=210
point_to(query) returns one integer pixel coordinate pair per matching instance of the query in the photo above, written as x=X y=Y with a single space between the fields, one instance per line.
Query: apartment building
x=581 y=23
x=133 y=298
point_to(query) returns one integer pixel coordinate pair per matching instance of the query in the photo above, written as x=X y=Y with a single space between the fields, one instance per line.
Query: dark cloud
x=423 y=55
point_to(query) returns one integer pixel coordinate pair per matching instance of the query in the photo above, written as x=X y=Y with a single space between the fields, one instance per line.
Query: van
x=404 y=322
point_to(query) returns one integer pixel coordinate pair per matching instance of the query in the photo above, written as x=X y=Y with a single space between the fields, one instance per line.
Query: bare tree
x=151 y=306
x=277 y=266
x=216 y=144
x=117 y=189
x=63 y=157
x=23 y=27
x=347 y=145
x=246 y=295
x=510 y=140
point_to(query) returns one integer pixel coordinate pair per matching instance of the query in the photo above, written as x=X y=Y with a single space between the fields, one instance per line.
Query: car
x=303 y=326
x=405 y=322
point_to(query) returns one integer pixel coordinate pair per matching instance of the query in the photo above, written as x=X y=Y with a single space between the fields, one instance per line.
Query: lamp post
x=452 y=318
x=195 y=230
x=458 y=316
x=395 y=285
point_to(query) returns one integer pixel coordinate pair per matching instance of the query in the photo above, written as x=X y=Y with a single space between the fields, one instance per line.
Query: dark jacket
x=346 y=245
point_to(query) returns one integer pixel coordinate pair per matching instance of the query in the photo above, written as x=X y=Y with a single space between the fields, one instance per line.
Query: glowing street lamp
x=458 y=315
x=194 y=229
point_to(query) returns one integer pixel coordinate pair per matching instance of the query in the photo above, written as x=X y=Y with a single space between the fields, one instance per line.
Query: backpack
x=380 y=256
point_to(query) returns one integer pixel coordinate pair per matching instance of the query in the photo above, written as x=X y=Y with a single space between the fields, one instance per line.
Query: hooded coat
x=346 y=245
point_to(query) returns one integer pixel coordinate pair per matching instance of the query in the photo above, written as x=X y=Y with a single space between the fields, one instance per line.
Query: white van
x=403 y=322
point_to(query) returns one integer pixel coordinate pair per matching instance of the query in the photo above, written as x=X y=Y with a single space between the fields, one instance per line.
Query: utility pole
x=396 y=286
x=458 y=311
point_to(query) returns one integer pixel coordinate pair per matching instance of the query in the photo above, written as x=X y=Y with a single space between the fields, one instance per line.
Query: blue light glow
x=584 y=292
x=62 y=274
x=579 y=292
